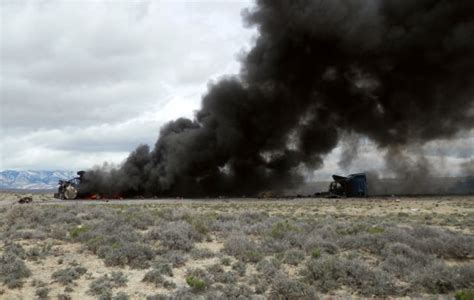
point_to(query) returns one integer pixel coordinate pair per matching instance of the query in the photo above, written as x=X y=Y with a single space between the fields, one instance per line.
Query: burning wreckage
x=354 y=185
x=68 y=189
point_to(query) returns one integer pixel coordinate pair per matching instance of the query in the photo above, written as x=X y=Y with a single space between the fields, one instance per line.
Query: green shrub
x=280 y=229
x=77 y=231
x=375 y=230
x=316 y=253
x=195 y=283
x=198 y=279
x=464 y=295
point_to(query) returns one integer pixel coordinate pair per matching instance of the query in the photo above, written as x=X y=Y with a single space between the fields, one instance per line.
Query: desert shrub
x=351 y=228
x=294 y=256
x=158 y=297
x=260 y=227
x=163 y=267
x=375 y=230
x=201 y=224
x=37 y=253
x=121 y=296
x=443 y=243
x=138 y=218
x=369 y=281
x=280 y=229
x=181 y=294
x=235 y=291
x=325 y=273
x=436 y=278
x=28 y=234
x=317 y=242
x=226 y=261
x=269 y=268
x=225 y=225
x=271 y=245
x=252 y=217
x=38 y=283
x=261 y=285
x=175 y=214
x=178 y=236
x=15 y=250
x=283 y=287
x=42 y=293
x=155 y=277
x=465 y=276
x=220 y=275
x=456 y=246
x=58 y=233
x=201 y=253
x=315 y=253
x=13 y=270
x=464 y=295
x=177 y=258
x=103 y=286
x=329 y=273
x=243 y=248
x=108 y=233
x=198 y=279
x=68 y=275
x=75 y=232
x=153 y=234
x=64 y=297
x=401 y=259
x=240 y=267
x=135 y=255
x=118 y=278
x=195 y=283
x=427 y=240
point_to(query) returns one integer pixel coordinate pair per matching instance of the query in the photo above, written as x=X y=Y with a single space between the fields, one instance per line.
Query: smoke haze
x=396 y=72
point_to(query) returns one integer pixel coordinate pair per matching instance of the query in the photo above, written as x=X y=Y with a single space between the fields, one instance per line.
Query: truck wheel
x=70 y=193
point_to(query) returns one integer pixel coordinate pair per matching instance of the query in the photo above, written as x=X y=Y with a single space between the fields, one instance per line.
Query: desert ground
x=310 y=248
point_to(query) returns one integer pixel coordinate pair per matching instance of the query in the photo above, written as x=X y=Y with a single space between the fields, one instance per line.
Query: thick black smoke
x=397 y=72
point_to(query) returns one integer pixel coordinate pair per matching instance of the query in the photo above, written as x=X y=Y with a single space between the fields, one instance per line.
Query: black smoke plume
x=396 y=72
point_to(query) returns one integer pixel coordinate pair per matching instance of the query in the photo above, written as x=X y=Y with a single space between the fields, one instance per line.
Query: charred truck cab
x=69 y=189
x=354 y=185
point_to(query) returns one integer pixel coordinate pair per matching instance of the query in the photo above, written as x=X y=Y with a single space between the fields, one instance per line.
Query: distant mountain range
x=32 y=180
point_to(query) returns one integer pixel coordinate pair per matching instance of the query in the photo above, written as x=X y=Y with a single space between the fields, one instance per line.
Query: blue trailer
x=354 y=185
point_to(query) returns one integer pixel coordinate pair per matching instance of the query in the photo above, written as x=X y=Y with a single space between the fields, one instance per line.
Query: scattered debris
x=25 y=200
x=266 y=194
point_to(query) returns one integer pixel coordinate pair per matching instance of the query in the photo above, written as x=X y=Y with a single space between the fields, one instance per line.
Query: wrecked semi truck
x=69 y=189
x=354 y=185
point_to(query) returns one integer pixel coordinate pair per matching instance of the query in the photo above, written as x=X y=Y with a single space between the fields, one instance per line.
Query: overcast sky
x=83 y=82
